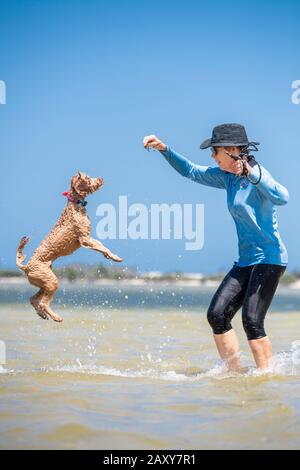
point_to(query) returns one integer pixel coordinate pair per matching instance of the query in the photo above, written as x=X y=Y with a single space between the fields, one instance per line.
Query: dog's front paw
x=117 y=258
x=112 y=256
x=56 y=318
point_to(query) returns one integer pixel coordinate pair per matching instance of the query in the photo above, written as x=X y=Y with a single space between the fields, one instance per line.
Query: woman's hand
x=237 y=167
x=151 y=141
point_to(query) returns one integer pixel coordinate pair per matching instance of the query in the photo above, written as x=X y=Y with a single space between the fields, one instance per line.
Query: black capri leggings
x=251 y=286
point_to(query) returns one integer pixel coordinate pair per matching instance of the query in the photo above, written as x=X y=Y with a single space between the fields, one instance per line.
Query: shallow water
x=121 y=375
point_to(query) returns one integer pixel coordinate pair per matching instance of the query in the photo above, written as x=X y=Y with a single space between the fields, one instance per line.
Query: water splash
x=285 y=363
x=126 y=373
x=3 y=370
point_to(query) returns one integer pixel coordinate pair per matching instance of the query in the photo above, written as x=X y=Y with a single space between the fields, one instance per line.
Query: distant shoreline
x=99 y=274
x=18 y=280
x=22 y=280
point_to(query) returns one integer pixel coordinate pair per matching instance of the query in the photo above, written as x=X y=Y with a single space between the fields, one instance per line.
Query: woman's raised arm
x=209 y=176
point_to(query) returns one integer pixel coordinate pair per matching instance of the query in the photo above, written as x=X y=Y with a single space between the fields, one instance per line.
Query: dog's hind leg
x=49 y=291
x=40 y=274
x=35 y=301
x=45 y=307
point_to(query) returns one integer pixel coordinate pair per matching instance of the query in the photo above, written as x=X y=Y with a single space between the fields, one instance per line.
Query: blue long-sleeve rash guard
x=252 y=207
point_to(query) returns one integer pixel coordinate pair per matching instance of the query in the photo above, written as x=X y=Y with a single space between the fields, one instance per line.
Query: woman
x=252 y=194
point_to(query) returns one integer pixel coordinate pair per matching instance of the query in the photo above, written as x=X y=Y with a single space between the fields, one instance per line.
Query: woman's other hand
x=151 y=141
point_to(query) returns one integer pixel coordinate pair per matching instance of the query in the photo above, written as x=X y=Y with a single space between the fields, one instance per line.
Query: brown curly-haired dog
x=70 y=233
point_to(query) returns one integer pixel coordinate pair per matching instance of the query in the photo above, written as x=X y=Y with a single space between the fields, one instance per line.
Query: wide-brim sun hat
x=227 y=135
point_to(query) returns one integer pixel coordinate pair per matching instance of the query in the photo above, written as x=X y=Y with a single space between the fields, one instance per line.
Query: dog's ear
x=79 y=184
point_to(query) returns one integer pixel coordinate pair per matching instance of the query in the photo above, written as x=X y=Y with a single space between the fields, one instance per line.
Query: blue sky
x=86 y=80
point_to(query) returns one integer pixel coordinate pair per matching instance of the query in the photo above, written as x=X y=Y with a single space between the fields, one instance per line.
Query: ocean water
x=135 y=367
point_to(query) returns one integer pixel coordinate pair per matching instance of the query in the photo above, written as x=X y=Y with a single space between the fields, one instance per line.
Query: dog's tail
x=20 y=255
